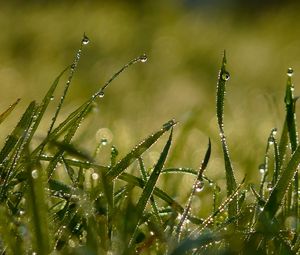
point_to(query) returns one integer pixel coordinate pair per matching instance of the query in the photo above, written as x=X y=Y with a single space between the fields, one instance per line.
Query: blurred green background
x=184 y=42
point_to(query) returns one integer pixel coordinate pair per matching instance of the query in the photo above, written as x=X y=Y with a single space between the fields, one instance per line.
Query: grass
x=55 y=197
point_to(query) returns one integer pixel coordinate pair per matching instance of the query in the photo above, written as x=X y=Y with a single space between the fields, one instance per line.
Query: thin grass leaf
x=152 y=200
x=8 y=111
x=68 y=83
x=116 y=170
x=18 y=131
x=198 y=185
x=281 y=187
x=221 y=90
x=149 y=187
x=36 y=199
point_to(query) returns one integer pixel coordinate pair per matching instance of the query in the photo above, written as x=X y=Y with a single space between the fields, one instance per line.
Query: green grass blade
x=277 y=195
x=18 y=131
x=37 y=207
x=115 y=171
x=290 y=103
x=8 y=111
x=198 y=185
x=221 y=90
x=150 y=185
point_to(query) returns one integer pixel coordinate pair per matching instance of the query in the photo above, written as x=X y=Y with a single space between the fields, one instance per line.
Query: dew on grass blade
x=290 y=72
x=34 y=174
x=95 y=176
x=143 y=58
x=199 y=185
x=85 y=40
x=262 y=168
x=101 y=94
x=270 y=186
x=104 y=136
x=104 y=141
x=225 y=76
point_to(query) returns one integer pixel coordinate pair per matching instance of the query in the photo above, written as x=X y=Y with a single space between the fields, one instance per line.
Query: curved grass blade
x=221 y=90
x=18 y=131
x=197 y=185
x=8 y=111
x=116 y=170
x=149 y=187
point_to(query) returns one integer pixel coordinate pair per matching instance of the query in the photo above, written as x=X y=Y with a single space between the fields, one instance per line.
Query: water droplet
x=270 y=186
x=262 y=168
x=274 y=131
x=199 y=185
x=95 y=176
x=290 y=72
x=73 y=66
x=35 y=174
x=271 y=140
x=52 y=98
x=143 y=58
x=225 y=76
x=169 y=124
x=104 y=141
x=101 y=94
x=104 y=135
x=85 y=40
x=71 y=243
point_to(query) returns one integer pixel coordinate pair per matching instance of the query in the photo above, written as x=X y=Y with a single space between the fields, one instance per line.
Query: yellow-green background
x=184 y=44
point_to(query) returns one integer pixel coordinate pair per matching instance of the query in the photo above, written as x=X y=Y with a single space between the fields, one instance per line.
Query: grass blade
x=115 y=171
x=8 y=111
x=221 y=90
x=197 y=185
x=149 y=187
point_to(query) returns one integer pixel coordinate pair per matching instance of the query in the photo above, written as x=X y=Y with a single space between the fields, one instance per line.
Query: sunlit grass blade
x=8 y=111
x=18 y=131
x=68 y=83
x=198 y=186
x=221 y=91
x=149 y=186
x=290 y=104
x=152 y=200
x=281 y=187
x=37 y=208
x=116 y=170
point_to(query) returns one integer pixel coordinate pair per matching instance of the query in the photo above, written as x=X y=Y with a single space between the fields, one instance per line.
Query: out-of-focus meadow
x=184 y=43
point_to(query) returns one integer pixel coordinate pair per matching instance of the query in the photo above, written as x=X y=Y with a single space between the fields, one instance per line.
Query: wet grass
x=55 y=197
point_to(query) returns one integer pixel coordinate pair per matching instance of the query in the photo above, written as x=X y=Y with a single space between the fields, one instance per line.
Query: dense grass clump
x=55 y=198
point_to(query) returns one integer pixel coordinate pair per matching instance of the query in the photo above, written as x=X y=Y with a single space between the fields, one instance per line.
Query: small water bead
x=95 y=176
x=271 y=140
x=225 y=76
x=262 y=168
x=104 y=141
x=143 y=58
x=290 y=72
x=85 y=40
x=34 y=174
x=51 y=98
x=274 y=131
x=101 y=94
x=199 y=185
x=270 y=186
